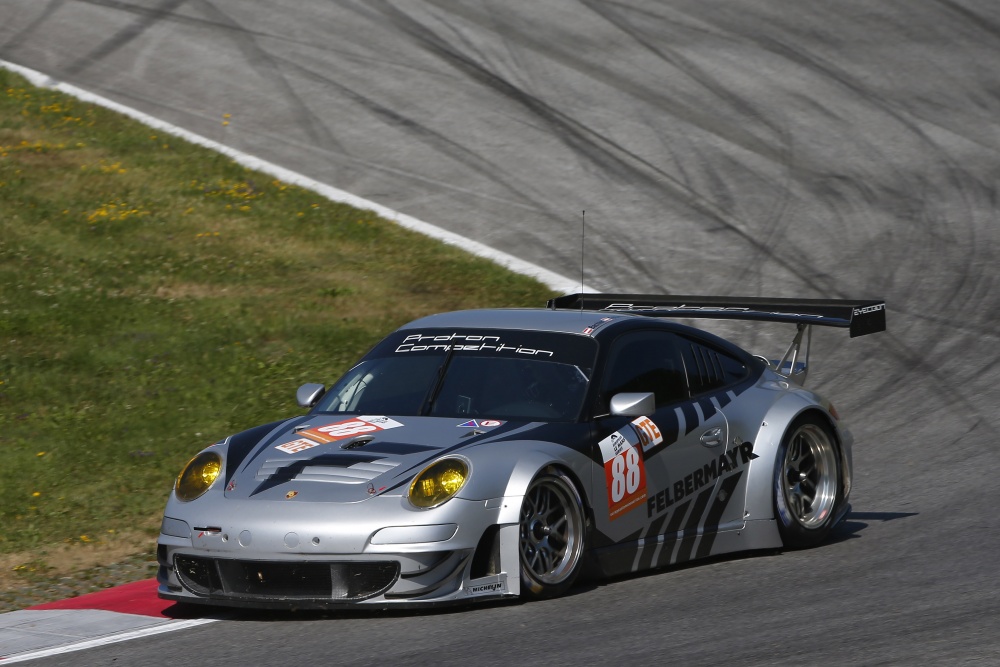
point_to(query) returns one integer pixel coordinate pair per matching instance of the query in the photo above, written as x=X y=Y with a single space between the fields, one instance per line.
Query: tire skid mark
x=974 y=19
x=904 y=118
x=246 y=41
x=715 y=90
x=266 y=66
x=123 y=37
x=917 y=366
x=599 y=71
x=523 y=191
x=34 y=26
x=615 y=160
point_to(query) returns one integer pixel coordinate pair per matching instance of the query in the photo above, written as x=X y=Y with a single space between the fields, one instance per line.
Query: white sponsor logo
x=465 y=343
x=483 y=589
x=869 y=309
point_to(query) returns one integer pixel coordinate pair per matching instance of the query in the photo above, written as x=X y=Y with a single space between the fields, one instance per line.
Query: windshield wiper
x=432 y=395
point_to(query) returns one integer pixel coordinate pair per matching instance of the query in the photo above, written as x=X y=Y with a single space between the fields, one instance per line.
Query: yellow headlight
x=438 y=482
x=198 y=475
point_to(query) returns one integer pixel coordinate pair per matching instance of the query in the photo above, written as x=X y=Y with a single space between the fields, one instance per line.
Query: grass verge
x=154 y=297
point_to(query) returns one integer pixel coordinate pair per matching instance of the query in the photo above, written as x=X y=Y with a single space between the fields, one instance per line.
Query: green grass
x=155 y=296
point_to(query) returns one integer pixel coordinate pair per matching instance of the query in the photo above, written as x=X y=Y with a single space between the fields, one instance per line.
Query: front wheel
x=807 y=487
x=552 y=535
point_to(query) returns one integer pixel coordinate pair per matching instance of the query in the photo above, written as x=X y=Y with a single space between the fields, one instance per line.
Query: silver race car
x=497 y=453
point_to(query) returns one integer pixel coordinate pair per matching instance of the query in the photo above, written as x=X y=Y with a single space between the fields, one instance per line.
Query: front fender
x=505 y=471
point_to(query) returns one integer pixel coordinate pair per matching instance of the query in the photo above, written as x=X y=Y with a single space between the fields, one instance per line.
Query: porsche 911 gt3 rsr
x=486 y=454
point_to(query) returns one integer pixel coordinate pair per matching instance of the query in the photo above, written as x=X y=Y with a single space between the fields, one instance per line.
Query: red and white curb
x=106 y=617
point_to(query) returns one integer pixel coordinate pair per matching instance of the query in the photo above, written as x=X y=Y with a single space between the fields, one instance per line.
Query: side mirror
x=630 y=404
x=309 y=393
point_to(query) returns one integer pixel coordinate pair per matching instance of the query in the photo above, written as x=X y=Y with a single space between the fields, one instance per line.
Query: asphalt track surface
x=809 y=149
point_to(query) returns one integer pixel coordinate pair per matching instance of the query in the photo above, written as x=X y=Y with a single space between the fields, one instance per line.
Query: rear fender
x=760 y=494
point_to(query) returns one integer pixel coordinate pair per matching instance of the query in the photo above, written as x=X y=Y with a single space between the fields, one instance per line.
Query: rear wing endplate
x=860 y=316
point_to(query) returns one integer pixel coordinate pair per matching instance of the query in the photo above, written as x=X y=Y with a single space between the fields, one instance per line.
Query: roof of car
x=591 y=323
x=532 y=319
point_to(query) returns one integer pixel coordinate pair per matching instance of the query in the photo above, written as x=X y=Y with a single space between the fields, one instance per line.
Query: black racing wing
x=860 y=316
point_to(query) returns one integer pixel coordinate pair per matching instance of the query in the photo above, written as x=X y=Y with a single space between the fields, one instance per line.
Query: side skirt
x=680 y=546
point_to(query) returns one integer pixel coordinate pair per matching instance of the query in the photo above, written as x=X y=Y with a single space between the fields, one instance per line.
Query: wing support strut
x=789 y=365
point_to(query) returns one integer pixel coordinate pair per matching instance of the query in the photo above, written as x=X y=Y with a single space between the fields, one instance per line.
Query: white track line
x=103 y=641
x=549 y=278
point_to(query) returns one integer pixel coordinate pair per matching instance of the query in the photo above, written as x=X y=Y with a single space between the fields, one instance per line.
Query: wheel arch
x=510 y=473
x=510 y=470
x=782 y=416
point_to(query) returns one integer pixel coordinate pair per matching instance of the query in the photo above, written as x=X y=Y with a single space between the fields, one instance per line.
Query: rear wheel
x=552 y=535
x=807 y=486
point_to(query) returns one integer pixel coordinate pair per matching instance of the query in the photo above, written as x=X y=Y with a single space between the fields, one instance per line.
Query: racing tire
x=807 y=483
x=552 y=535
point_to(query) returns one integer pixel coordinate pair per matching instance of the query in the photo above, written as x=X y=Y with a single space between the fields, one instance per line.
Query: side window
x=709 y=369
x=646 y=361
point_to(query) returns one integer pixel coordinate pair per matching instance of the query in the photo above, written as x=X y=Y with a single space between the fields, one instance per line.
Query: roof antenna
x=583 y=238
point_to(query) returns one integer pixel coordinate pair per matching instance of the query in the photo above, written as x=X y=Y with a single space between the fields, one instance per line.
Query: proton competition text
x=464 y=343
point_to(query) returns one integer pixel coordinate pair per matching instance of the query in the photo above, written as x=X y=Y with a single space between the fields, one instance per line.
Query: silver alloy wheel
x=551 y=531
x=809 y=476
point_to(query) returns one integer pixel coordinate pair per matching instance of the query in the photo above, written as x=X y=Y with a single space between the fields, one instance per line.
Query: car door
x=717 y=378
x=660 y=470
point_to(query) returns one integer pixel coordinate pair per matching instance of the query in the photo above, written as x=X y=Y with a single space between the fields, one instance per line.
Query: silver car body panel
x=290 y=508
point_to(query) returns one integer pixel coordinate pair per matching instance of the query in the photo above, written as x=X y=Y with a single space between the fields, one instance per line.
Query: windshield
x=506 y=375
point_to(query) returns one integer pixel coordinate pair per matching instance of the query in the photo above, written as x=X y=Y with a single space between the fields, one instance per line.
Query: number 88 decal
x=625 y=474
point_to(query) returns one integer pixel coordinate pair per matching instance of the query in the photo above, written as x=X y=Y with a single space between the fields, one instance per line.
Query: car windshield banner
x=543 y=346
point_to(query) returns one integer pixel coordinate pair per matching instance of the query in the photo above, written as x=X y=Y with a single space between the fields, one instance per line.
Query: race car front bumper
x=258 y=558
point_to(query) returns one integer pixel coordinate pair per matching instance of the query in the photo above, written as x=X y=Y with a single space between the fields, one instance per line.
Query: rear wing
x=859 y=316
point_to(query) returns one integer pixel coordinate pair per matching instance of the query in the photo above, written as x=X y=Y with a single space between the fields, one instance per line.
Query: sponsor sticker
x=346 y=429
x=624 y=472
x=649 y=433
x=491 y=588
x=296 y=446
x=869 y=309
x=731 y=461
x=596 y=325
x=480 y=423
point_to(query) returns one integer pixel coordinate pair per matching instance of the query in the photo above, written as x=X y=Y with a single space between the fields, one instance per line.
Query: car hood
x=336 y=458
